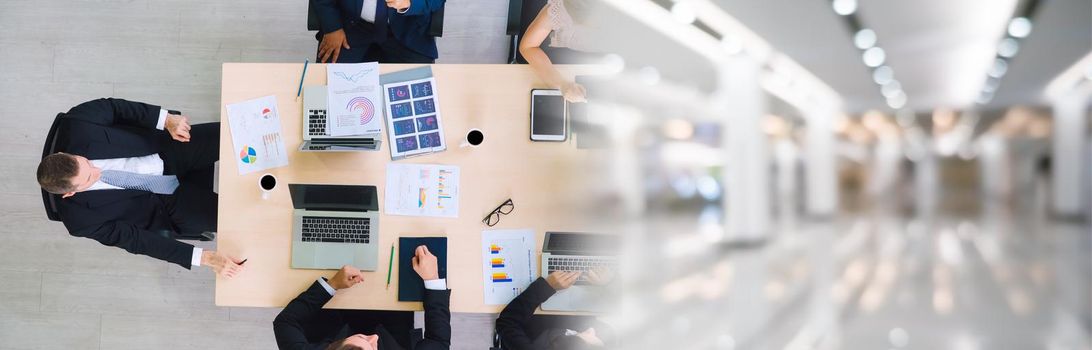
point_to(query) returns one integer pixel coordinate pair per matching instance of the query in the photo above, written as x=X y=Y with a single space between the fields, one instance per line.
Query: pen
x=243 y=262
x=304 y=74
x=390 y=266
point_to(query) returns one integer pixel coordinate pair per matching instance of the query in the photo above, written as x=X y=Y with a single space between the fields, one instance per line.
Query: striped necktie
x=161 y=184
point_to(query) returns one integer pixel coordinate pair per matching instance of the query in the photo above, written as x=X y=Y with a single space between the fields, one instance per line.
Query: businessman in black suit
x=520 y=329
x=385 y=31
x=304 y=325
x=127 y=171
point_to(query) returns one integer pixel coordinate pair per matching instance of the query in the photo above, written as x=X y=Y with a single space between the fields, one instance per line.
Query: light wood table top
x=541 y=178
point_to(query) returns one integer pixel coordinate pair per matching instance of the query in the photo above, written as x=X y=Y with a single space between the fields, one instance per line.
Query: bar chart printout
x=508 y=266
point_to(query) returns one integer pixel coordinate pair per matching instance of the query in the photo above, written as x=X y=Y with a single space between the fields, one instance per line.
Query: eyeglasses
x=494 y=217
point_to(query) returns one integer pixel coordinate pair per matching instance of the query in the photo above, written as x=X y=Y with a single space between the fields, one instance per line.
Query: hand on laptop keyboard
x=599 y=276
x=561 y=280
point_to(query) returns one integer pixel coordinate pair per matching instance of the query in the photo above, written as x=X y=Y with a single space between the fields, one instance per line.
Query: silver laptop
x=569 y=251
x=334 y=225
x=316 y=137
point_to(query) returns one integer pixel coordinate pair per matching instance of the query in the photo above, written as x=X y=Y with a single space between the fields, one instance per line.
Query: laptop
x=334 y=225
x=572 y=251
x=316 y=138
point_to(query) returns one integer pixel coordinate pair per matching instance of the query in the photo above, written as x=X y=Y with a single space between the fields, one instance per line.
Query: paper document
x=256 y=135
x=414 y=125
x=508 y=264
x=422 y=190
x=353 y=99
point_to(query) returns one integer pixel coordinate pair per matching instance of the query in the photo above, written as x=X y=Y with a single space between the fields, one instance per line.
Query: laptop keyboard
x=316 y=122
x=581 y=263
x=336 y=230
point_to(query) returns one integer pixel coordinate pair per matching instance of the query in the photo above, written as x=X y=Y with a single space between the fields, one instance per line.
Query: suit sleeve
x=290 y=326
x=137 y=241
x=513 y=320
x=437 y=321
x=328 y=14
x=422 y=8
x=112 y=111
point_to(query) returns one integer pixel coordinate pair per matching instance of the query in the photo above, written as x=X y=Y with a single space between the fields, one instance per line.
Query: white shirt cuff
x=436 y=284
x=322 y=281
x=402 y=10
x=162 y=119
x=195 y=260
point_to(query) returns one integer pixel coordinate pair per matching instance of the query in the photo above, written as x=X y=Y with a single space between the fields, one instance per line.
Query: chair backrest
x=436 y=27
x=50 y=147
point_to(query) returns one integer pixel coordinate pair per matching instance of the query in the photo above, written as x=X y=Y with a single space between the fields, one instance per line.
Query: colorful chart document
x=256 y=135
x=353 y=99
x=508 y=264
x=422 y=190
x=414 y=123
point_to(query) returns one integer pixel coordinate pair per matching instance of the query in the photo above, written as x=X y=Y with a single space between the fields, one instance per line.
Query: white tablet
x=548 y=115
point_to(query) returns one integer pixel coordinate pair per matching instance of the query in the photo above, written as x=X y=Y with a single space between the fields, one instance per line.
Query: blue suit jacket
x=410 y=28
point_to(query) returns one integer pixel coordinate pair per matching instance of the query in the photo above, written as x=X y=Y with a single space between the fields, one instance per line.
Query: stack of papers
x=422 y=190
x=352 y=99
x=508 y=264
x=256 y=135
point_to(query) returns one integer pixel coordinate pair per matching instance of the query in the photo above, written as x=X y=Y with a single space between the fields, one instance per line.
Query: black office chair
x=496 y=342
x=436 y=28
x=57 y=131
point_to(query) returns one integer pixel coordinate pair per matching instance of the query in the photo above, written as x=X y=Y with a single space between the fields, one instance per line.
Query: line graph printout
x=354 y=102
x=422 y=190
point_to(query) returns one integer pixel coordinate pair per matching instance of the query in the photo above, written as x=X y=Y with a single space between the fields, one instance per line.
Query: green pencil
x=390 y=267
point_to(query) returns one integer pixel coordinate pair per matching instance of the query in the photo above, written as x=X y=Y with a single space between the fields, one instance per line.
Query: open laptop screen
x=334 y=197
x=572 y=243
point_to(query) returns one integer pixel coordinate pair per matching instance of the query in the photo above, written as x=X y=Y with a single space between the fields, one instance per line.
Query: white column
x=1068 y=160
x=821 y=196
x=746 y=152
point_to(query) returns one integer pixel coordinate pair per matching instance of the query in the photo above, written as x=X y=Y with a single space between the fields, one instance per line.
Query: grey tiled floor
x=60 y=292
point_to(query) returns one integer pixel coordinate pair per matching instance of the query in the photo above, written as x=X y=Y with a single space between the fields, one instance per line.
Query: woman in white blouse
x=562 y=18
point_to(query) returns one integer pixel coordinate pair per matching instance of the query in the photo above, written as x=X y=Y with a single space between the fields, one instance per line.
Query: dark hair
x=569 y=342
x=56 y=171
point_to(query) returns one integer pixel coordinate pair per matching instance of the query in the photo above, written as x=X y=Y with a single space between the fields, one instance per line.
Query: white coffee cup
x=474 y=138
x=266 y=183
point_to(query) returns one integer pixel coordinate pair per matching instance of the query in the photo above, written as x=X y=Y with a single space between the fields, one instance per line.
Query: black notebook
x=410 y=285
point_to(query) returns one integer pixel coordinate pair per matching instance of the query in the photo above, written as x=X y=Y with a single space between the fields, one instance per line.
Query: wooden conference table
x=542 y=179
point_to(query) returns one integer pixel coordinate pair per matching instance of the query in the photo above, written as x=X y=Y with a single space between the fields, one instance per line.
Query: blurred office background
x=850 y=174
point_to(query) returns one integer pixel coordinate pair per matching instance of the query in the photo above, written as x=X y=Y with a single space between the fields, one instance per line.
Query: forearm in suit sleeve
x=111 y=111
x=422 y=7
x=137 y=241
x=290 y=325
x=329 y=15
x=437 y=321
x=513 y=320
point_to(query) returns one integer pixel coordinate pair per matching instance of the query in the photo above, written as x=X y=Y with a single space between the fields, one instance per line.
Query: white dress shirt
x=367 y=11
x=151 y=164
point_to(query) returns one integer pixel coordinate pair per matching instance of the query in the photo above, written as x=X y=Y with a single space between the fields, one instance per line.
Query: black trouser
x=192 y=207
x=387 y=51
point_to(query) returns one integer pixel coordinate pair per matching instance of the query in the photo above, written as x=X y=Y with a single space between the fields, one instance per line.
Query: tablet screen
x=549 y=118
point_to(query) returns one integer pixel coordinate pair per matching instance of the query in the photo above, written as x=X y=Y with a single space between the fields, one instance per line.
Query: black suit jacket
x=304 y=325
x=410 y=28
x=128 y=219
x=520 y=329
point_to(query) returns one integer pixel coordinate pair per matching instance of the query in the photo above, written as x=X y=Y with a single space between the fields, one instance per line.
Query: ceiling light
x=999 y=68
x=1020 y=27
x=864 y=39
x=883 y=75
x=683 y=12
x=890 y=89
x=1008 y=48
x=874 y=57
x=649 y=75
x=897 y=101
x=991 y=85
x=844 y=7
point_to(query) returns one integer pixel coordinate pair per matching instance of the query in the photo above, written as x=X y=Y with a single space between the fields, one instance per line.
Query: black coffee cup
x=474 y=137
x=267 y=183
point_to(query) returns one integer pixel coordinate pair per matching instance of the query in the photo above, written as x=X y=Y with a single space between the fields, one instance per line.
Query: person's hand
x=331 y=45
x=400 y=5
x=425 y=264
x=574 y=92
x=222 y=264
x=347 y=277
x=560 y=280
x=600 y=276
x=178 y=126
